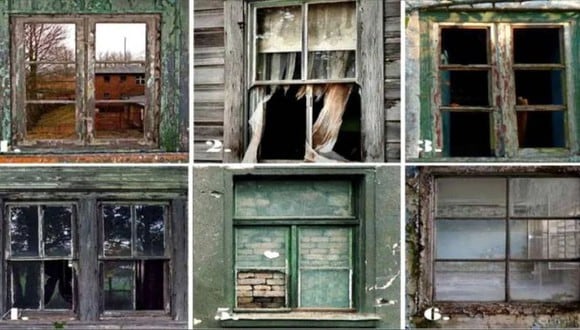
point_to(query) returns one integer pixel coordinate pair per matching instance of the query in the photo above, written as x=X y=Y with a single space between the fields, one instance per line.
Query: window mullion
x=309 y=115
x=507 y=242
x=304 y=63
x=40 y=223
x=293 y=291
x=507 y=88
x=89 y=83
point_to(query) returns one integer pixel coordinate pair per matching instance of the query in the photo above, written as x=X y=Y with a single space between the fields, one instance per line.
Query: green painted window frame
x=363 y=249
x=503 y=134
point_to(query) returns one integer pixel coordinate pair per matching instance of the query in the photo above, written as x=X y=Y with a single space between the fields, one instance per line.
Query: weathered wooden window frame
x=41 y=258
x=426 y=237
x=103 y=258
x=363 y=249
x=85 y=26
x=502 y=108
x=370 y=79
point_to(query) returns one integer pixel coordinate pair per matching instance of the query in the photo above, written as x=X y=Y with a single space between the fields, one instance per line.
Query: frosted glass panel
x=470 y=239
x=545 y=197
x=469 y=281
x=473 y=197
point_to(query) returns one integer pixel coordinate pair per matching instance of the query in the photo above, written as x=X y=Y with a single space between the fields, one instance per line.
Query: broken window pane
x=325 y=267
x=25 y=285
x=331 y=39
x=150 y=230
x=278 y=43
x=49 y=42
x=50 y=121
x=120 y=42
x=551 y=197
x=541 y=129
x=539 y=87
x=469 y=281
x=475 y=197
x=540 y=239
x=117 y=230
x=470 y=239
x=467 y=134
x=24 y=231
x=546 y=281
x=120 y=120
x=464 y=45
x=464 y=88
x=261 y=267
x=293 y=198
x=50 y=81
x=58 y=287
x=118 y=285
x=150 y=285
x=57 y=230
x=537 y=45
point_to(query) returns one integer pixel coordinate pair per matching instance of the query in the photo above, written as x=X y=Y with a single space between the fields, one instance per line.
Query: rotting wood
x=179 y=260
x=177 y=157
x=88 y=265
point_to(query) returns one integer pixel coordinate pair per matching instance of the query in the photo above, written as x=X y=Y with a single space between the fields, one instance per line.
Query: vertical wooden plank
x=89 y=93
x=5 y=75
x=496 y=94
x=371 y=77
x=507 y=99
x=234 y=80
x=3 y=234
x=435 y=95
x=179 y=289
x=18 y=106
x=88 y=266
x=569 y=97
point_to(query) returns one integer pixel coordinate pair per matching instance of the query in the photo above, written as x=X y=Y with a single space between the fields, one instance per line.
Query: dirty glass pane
x=118 y=285
x=261 y=247
x=50 y=121
x=120 y=42
x=469 y=281
x=25 y=285
x=332 y=31
x=293 y=198
x=541 y=129
x=466 y=134
x=470 y=239
x=50 y=82
x=464 y=45
x=556 y=197
x=471 y=197
x=537 y=45
x=57 y=230
x=536 y=239
x=539 y=87
x=24 y=231
x=325 y=267
x=117 y=225
x=58 y=287
x=150 y=281
x=49 y=42
x=150 y=230
x=120 y=120
x=278 y=43
x=464 y=88
x=546 y=281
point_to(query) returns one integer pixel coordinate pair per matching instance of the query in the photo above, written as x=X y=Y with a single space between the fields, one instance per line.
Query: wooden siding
x=209 y=87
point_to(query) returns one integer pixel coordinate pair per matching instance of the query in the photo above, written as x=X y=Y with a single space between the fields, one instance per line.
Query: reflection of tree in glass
x=150 y=230
x=57 y=230
x=117 y=223
x=24 y=231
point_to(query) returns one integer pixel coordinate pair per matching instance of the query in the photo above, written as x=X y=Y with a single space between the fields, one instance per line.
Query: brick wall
x=261 y=289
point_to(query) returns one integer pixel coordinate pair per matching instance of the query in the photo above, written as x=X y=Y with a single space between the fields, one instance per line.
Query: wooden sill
x=302 y=319
x=99 y=157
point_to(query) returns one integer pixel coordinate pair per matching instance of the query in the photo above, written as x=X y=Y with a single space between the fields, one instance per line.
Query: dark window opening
x=539 y=87
x=284 y=134
x=464 y=88
x=467 y=134
x=537 y=45
x=464 y=46
x=541 y=129
x=56 y=292
x=123 y=78
x=107 y=78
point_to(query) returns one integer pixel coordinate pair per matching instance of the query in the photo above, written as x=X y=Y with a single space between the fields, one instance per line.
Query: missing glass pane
x=261 y=289
x=120 y=120
x=467 y=134
x=57 y=230
x=50 y=81
x=24 y=224
x=150 y=285
x=150 y=226
x=118 y=285
x=539 y=87
x=544 y=281
x=58 y=284
x=26 y=288
x=49 y=42
x=464 y=88
x=51 y=121
x=117 y=230
x=541 y=129
x=120 y=42
x=470 y=239
x=469 y=281
x=464 y=46
x=537 y=45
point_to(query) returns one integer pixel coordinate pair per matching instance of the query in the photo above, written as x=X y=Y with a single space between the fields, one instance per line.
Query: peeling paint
x=387 y=285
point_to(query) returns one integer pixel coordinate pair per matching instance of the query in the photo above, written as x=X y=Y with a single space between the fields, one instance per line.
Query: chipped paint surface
x=173 y=80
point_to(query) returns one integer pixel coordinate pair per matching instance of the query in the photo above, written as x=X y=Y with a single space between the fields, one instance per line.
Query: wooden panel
x=210 y=74
x=207 y=4
x=370 y=16
x=209 y=19
x=179 y=289
x=88 y=269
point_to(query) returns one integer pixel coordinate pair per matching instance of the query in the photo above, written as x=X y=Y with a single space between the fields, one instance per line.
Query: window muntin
x=74 y=111
x=41 y=256
x=290 y=255
x=527 y=252
x=482 y=90
x=304 y=103
x=134 y=256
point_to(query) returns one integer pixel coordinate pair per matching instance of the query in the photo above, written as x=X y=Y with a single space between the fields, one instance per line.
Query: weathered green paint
x=173 y=80
x=376 y=295
x=427 y=92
